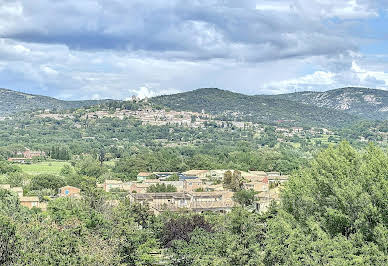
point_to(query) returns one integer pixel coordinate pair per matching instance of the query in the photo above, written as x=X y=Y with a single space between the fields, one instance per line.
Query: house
x=258 y=173
x=151 y=182
x=176 y=201
x=218 y=174
x=112 y=184
x=278 y=179
x=273 y=174
x=256 y=186
x=69 y=191
x=138 y=187
x=197 y=173
x=29 y=202
x=28 y=154
x=18 y=160
x=192 y=184
x=143 y=175
x=264 y=199
x=216 y=187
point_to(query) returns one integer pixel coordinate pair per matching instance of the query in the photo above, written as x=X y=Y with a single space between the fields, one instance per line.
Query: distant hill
x=258 y=108
x=13 y=102
x=362 y=102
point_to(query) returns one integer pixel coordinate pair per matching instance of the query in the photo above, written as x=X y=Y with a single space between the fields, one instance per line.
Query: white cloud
x=324 y=80
x=48 y=70
x=79 y=50
x=146 y=92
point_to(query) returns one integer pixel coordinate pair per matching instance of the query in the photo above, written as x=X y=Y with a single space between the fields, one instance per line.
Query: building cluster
x=34 y=201
x=26 y=156
x=194 y=190
x=197 y=190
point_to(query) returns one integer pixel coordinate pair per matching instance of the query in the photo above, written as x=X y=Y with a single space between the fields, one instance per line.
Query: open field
x=51 y=167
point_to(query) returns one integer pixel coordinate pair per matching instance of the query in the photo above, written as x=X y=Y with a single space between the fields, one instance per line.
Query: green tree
x=160 y=188
x=245 y=197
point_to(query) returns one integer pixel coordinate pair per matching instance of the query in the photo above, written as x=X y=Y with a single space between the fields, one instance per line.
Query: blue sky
x=73 y=49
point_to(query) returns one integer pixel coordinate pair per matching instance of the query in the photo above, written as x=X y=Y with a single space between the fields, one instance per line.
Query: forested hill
x=363 y=102
x=259 y=108
x=13 y=102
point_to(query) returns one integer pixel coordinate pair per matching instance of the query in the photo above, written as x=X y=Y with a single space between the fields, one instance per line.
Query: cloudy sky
x=79 y=49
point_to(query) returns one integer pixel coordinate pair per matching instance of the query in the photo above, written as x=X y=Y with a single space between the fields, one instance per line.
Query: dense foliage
x=333 y=212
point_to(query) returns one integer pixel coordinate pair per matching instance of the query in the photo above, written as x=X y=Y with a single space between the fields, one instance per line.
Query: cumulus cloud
x=191 y=30
x=115 y=49
x=321 y=80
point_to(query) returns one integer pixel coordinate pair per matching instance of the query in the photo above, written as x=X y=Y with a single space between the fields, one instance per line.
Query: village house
x=278 y=179
x=256 y=186
x=213 y=187
x=29 y=202
x=194 y=201
x=143 y=175
x=112 y=184
x=264 y=199
x=193 y=184
x=138 y=188
x=28 y=154
x=258 y=173
x=69 y=191
x=18 y=160
x=198 y=173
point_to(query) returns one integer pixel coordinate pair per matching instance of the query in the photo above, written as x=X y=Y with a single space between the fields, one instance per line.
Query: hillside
x=13 y=102
x=259 y=108
x=362 y=102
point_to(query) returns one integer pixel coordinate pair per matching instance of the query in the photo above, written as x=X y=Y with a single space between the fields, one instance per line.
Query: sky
x=93 y=49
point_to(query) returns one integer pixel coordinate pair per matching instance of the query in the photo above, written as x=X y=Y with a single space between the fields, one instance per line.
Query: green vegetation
x=160 y=188
x=333 y=212
x=260 y=108
x=47 y=167
x=13 y=102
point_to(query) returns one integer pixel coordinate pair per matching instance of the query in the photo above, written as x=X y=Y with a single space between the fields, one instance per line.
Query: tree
x=101 y=156
x=335 y=209
x=245 y=197
x=160 y=188
x=173 y=177
x=8 y=241
x=233 y=181
x=47 y=181
x=90 y=167
x=181 y=228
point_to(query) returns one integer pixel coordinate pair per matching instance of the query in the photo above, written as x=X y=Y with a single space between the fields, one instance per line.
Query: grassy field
x=52 y=167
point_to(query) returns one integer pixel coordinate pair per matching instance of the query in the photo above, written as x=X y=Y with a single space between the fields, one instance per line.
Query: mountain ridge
x=367 y=103
x=12 y=102
x=333 y=108
x=253 y=108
